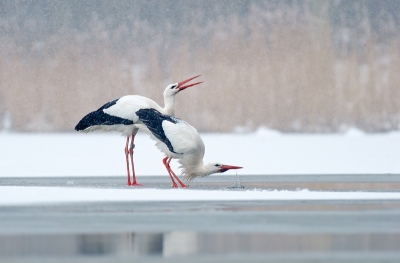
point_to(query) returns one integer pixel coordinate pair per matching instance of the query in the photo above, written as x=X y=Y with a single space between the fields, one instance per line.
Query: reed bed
x=283 y=73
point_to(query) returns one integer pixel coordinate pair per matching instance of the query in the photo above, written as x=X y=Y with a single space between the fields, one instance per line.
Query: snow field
x=262 y=152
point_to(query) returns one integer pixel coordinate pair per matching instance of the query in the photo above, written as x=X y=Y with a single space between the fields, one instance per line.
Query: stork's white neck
x=198 y=170
x=169 y=105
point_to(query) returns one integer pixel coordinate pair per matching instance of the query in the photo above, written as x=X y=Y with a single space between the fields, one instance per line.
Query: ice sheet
x=11 y=195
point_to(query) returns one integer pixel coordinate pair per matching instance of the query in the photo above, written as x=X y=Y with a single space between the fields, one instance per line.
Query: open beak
x=180 y=84
x=225 y=168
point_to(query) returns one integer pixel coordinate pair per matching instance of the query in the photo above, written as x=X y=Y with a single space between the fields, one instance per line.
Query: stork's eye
x=173 y=87
x=217 y=165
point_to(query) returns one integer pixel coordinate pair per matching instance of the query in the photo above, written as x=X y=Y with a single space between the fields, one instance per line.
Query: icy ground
x=262 y=152
x=12 y=195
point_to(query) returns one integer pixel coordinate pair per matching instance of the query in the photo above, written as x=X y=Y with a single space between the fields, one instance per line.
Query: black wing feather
x=99 y=117
x=153 y=120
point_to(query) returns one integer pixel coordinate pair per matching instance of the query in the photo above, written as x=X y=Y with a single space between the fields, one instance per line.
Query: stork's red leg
x=127 y=161
x=176 y=177
x=174 y=185
x=131 y=146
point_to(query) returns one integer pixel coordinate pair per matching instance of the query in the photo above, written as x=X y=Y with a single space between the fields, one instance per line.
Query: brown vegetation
x=286 y=76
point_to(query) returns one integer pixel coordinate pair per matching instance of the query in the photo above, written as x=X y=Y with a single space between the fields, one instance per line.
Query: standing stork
x=120 y=115
x=179 y=140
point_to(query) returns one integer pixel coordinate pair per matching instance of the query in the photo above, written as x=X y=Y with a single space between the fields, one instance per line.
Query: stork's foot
x=136 y=184
x=183 y=185
x=175 y=186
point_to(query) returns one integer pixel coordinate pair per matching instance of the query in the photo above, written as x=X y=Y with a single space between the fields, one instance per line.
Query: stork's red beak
x=180 y=87
x=225 y=168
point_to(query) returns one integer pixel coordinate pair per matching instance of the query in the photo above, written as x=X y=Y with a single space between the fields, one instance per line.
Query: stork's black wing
x=99 y=117
x=153 y=120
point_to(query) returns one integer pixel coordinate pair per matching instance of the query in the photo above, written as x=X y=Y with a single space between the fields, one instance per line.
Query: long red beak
x=225 y=168
x=180 y=87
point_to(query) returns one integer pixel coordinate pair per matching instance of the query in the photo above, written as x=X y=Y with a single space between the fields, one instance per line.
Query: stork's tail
x=99 y=120
x=89 y=120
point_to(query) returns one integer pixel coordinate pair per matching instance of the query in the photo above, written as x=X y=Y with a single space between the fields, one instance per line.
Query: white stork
x=179 y=140
x=120 y=115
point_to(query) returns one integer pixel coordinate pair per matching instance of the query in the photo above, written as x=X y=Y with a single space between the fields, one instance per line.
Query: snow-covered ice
x=262 y=152
x=13 y=195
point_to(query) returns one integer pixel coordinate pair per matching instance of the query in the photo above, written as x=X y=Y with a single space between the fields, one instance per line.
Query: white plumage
x=120 y=115
x=177 y=139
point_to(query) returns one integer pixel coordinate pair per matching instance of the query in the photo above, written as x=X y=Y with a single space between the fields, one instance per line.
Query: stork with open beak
x=179 y=140
x=120 y=115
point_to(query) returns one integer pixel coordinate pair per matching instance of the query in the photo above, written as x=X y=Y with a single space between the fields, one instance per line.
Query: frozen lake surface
x=357 y=223
x=215 y=188
x=307 y=198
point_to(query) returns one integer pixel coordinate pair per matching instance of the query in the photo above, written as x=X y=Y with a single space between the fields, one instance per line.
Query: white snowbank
x=354 y=132
x=12 y=195
x=263 y=131
x=263 y=152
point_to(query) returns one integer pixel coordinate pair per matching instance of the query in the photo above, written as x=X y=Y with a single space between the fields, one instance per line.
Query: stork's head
x=201 y=171
x=222 y=168
x=175 y=88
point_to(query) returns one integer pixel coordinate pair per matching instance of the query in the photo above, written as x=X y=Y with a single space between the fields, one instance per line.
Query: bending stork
x=120 y=115
x=179 y=140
